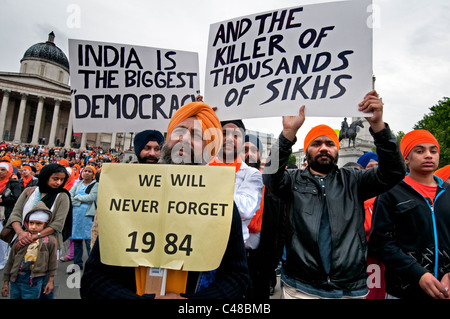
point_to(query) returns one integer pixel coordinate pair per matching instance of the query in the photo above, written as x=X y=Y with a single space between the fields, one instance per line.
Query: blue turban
x=254 y=140
x=366 y=158
x=142 y=138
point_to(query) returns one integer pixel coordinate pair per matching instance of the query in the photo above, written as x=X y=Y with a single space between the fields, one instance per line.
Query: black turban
x=141 y=139
x=238 y=123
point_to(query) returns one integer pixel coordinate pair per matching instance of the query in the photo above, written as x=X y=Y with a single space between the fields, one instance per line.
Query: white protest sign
x=128 y=88
x=168 y=216
x=269 y=64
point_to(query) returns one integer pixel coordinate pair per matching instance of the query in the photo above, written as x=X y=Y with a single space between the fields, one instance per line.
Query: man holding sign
x=194 y=137
x=325 y=244
x=262 y=65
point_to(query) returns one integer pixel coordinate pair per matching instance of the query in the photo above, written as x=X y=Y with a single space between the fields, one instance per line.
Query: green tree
x=438 y=123
x=399 y=136
x=292 y=160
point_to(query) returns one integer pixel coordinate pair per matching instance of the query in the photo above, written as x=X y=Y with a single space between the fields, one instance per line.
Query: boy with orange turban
x=411 y=225
x=325 y=242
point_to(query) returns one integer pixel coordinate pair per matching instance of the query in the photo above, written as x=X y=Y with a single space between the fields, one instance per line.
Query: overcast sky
x=411 y=59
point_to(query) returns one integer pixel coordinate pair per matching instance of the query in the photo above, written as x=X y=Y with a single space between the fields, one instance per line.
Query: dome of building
x=47 y=51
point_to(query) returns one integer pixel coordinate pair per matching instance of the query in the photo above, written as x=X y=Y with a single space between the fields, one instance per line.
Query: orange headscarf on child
x=414 y=138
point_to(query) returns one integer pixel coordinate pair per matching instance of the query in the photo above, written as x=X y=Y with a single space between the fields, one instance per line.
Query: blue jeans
x=78 y=250
x=25 y=287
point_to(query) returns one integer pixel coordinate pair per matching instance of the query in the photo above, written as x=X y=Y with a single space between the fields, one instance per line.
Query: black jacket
x=33 y=182
x=404 y=239
x=346 y=189
x=10 y=195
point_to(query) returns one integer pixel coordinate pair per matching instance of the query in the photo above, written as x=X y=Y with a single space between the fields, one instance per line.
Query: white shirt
x=247 y=194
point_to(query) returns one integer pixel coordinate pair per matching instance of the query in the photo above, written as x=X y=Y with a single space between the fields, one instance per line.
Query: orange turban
x=211 y=127
x=414 y=138
x=64 y=163
x=320 y=130
x=92 y=168
x=16 y=163
x=443 y=173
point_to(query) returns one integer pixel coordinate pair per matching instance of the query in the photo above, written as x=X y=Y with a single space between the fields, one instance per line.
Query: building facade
x=36 y=106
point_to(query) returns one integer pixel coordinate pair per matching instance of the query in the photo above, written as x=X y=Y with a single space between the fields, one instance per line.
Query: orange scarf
x=368 y=211
x=71 y=180
x=26 y=180
x=5 y=180
x=256 y=222
x=237 y=163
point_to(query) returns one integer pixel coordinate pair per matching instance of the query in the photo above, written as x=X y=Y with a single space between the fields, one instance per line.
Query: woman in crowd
x=9 y=193
x=84 y=201
x=51 y=192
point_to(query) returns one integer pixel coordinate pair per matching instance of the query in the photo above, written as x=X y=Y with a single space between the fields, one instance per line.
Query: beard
x=250 y=161
x=187 y=158
x=320 y=165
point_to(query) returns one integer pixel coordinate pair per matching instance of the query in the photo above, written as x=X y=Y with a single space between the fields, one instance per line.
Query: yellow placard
x=168 y=216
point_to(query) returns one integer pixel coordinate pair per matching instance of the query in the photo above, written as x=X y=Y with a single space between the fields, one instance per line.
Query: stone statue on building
x=350 y=132
x=344 y=129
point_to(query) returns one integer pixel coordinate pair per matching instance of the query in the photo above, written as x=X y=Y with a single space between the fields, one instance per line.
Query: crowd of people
x=39 y=214
x=35 y=156
x=324 y=224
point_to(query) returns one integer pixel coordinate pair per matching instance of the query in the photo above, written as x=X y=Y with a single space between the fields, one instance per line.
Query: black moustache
x=324 y=154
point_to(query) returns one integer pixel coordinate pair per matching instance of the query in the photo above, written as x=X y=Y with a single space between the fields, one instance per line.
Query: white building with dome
x=35 y=103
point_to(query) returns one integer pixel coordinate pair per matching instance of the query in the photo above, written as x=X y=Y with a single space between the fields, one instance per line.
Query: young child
x=411 y=225
x=26 y=269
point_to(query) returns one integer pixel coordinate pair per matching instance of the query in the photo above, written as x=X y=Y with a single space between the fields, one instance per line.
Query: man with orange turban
x=411 y=225
x=325 y=242
x=194 y=136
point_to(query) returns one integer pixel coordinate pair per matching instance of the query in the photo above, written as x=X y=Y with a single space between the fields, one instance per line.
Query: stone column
x=98 y=138
x=37 y=121
x=55 y=120
x=113 y=140
x=68 y=141
x=3 y=111
x=20 y=117
x=83 y=141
